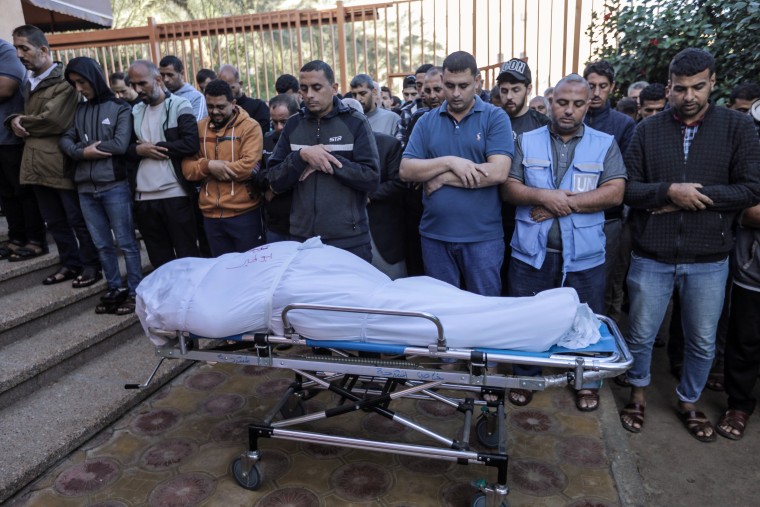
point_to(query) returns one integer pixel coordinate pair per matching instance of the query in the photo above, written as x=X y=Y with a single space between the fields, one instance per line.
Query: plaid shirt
x=689 y=132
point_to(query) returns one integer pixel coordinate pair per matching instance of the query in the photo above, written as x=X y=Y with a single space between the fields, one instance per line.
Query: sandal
x=634 y=412
x=590 y=396
x=28 y=251
x=698 y=425
x=89 y=276
x=520 y=397
x=9 y=249
x=622 y=380
x=111 y=300
x=736 y=421
x=61 y=275
x=126 y=307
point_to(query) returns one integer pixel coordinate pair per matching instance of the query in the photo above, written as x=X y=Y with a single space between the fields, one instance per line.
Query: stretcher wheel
x=480 y=500
x=486 y=437
x=252 y=481
x=292 y=410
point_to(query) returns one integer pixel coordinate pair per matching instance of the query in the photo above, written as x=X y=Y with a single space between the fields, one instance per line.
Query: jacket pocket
x=526 y=236
x=538 y=173
x=588 y=235
x=586 y=176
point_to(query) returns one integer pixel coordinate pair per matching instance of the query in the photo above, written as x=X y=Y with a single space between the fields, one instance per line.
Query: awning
x=65 y=15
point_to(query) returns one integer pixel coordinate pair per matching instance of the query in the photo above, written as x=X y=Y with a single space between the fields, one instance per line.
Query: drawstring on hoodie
x=216 y=150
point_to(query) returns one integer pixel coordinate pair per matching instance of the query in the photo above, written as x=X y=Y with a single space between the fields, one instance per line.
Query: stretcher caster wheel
x=252 y=480
x=480 y=500
x=487 y=432
x=290 y=410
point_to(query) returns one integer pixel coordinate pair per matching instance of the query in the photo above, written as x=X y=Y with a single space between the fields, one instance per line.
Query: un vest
x=582 y=233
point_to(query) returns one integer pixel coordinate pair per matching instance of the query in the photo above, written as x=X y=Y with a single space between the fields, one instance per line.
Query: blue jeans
x=701 y=287
x=112 y=211
x=524 y=280
x=477 y=263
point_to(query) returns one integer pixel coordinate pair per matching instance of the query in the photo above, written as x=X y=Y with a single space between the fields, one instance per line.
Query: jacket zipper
x=316 y=182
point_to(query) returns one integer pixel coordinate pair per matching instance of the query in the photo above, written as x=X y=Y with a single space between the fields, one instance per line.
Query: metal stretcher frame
x=351 y=366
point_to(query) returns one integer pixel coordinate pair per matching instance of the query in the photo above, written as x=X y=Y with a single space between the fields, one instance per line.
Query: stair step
x=29 y=364
x=47 y=425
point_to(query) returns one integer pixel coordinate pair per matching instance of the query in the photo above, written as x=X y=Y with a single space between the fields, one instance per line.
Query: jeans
x=276 y=237
x=108 y=211
x=524 y=281
x=63 y=215
x=477 y=263
x=701 y=288
x=235 y=234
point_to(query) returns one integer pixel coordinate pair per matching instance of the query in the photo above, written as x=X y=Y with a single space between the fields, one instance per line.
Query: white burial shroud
x=245 y=292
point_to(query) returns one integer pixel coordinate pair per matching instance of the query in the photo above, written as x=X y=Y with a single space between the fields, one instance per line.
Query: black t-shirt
x=256 y=109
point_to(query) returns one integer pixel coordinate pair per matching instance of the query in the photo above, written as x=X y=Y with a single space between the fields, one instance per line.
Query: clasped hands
x=686 y=197
x=318 y=158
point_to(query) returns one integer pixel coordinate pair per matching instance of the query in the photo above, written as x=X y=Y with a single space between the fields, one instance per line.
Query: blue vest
x=582 y=233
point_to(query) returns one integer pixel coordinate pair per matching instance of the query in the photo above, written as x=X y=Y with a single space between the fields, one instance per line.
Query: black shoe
x=115 y=296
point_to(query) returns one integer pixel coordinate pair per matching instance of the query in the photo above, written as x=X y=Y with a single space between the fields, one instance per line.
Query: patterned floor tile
x=88 y=477
x=186 y=490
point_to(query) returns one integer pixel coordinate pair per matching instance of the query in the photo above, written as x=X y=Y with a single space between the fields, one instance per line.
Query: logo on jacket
x=336 y=139
x=478 y=136
x=106 y=122
x=584 y=182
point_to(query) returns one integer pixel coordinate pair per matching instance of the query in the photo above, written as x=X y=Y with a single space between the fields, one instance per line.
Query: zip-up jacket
x=48 y=113
x=239 y=143
x=104 y=118
x=180 y=134
x=724 y=157
x=612 y=122
x=333 y=206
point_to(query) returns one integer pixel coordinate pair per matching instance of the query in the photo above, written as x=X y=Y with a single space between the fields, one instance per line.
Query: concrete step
x=27 y=365
x=16 y=276
x=39 y=307
x=48 y=424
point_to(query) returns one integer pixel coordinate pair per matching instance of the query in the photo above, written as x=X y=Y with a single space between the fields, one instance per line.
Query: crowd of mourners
x=649 y=209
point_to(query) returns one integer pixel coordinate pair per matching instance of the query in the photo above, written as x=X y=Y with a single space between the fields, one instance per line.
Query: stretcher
x=371 y=377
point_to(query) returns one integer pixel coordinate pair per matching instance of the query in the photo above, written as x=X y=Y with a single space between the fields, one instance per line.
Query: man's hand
x=540 y=214
x=556 y=202
x=668 y=208
x=687 y=196
x=93 y=153
x=150 y=150
x=319 y=159
x=434 y=184
x=17 y=128
x=220 y=171
x=469 y=173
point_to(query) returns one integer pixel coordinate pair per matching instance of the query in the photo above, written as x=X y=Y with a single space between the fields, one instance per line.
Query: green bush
x=640 y=38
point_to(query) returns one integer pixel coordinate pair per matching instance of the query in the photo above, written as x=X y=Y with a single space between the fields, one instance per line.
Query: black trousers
x=742 y=360
x=168 y=228
x=19 y=203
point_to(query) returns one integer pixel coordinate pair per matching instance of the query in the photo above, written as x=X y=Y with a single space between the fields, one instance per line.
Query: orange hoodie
x=239 y=143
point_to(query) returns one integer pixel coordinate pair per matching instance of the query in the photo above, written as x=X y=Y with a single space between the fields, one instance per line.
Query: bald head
x=230 y=75
x=573 y=80
x=146 y=66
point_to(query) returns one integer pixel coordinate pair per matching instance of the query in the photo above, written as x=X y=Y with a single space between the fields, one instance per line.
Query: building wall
x=12 y=16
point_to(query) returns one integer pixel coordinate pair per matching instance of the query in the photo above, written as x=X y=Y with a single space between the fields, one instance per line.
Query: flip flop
x=61 y=275
x=89 y=276
x=28 y=251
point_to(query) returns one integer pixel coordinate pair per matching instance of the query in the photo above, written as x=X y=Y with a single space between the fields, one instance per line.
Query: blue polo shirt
x=461 y=215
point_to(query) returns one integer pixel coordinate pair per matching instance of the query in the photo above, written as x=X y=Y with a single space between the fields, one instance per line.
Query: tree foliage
x=640 y=38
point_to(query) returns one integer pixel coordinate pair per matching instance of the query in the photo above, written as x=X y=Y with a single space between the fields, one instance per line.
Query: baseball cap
x=409 y=81
x=518 y=69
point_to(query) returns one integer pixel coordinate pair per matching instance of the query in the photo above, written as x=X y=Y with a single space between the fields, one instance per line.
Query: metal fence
x=386 y=40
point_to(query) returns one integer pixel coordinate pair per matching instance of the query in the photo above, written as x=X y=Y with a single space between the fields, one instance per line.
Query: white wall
x=12 y=17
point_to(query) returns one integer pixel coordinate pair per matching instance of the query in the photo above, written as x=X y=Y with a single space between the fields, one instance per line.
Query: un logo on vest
x=584 y=182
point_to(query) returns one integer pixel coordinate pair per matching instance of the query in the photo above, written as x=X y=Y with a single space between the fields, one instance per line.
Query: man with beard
x=692 y=169
x=165 y=132
x=229 y=157
x=563 y=177
x=381 y=120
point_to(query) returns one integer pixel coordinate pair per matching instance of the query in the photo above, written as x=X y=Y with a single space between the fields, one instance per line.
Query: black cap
x=518 y=69
x=409 y=81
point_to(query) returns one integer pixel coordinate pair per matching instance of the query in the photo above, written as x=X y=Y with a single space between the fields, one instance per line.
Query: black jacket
x=724 y=157
x=331 y=206
x=386 y=204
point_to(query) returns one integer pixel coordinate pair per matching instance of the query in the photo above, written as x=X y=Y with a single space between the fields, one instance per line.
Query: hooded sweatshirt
x=103 y=119
x=239 y=143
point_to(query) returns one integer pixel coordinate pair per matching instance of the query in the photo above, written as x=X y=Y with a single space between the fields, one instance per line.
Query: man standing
x=652 y=100
x=461 y=151
x=328 y=157
x=256 y=108
x=48 y=112
x=381 y=120
x=204 y=77
x=514 y=83
x=412 y=89
x=276 y=207
x=26 y=229
x=165 y=131
x=121 y=89
x=691 y=170
x=230 y=154
x=563 y=178
x=171 y=69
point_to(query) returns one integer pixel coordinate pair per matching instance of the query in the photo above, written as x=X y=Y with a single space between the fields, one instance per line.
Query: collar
x=578 y=134
x=478 y=107
x=695 y=123
x=598 y=112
